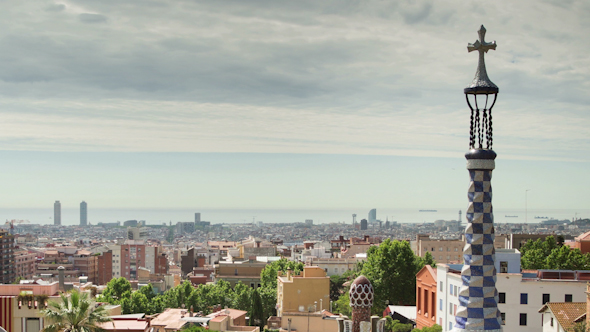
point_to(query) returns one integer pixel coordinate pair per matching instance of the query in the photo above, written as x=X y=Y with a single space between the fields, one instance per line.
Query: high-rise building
x=364 y=224
x=57 y=213
x=197 y=217
x=373 y=215
x=7 y=264
x=83 y=214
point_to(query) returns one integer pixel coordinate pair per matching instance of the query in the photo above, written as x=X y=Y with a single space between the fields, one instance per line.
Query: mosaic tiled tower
x=361 y=300
x=478 y=297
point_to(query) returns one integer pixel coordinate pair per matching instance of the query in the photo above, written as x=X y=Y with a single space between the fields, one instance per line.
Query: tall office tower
x=57 y=213
x=364 y=225
x=197 y=217
x=373 y=215
x=353 y=219
x=7 y=263
x=83 y=214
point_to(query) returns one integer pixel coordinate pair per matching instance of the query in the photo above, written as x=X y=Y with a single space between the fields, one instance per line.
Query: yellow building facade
x=308 y=291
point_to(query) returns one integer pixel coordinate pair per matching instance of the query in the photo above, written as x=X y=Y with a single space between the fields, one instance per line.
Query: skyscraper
x=57 y=213
x=372 y=215
x=83 y=214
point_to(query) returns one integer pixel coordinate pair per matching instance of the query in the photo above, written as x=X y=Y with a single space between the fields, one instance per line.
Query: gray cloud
x=367 y=59
x=92 y=18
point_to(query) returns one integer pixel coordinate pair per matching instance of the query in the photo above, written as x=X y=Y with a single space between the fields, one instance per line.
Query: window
x=440 y=305
x=456 y=249
x=501 y=297
x=503 y=316
x=522 y=319
x=432 y=248
x=450 y=308
x=440 y=249
x=450 y=326
x=545 y=298
x=503 y=267
x=450 y=289
x=524 y=298
x=568 y=298
x=448 y=249
x=456 y=292
x=551 y=321
x=441 y=286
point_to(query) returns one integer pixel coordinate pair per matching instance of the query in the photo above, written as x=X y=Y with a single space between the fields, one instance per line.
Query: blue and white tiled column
x=478 y=297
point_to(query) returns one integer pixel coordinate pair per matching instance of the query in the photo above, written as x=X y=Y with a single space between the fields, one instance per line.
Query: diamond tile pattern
x=478 y=297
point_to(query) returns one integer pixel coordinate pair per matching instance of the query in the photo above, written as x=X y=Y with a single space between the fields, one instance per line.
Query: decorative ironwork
x=481 y=118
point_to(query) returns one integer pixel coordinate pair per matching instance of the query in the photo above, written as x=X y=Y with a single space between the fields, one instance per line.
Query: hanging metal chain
x=490 y=139
x=485 y=127
x=471 y=133
x=478 y=127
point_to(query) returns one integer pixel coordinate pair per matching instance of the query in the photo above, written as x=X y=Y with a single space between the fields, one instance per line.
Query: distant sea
x=234 y=216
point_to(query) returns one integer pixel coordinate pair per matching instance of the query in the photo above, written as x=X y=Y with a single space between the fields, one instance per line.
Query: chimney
x=62 y=278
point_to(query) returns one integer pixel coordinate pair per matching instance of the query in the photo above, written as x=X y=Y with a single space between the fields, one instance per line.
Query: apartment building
x=520 y=295
x=299 y=293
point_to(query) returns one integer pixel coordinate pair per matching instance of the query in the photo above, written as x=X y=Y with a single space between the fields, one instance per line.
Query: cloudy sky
x=287 y=104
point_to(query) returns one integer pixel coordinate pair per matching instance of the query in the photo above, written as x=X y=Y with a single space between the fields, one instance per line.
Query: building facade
x=57 y=213
x=83 y=214
x=426 y=290
x=7 y=265
x=520 y=295
x=299 y=293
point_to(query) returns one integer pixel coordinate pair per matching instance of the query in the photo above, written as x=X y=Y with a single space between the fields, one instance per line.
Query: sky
x=288 y=104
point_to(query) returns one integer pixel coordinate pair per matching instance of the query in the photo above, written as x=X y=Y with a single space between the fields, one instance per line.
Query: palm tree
x=75 y=313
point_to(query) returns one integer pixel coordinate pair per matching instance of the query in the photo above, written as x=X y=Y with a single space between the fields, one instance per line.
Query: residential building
x=132 y=257
x=138 y=233
x=104 y=267
x=185 y=227
x=519 y=294
x=57 y=213
x=25 y=263
x=446 y=251
x=83 y=214
x=246 y=272
x=561 y=316
x=7 y=264
x=86 y=264
x=426 y=312
x=296 y=293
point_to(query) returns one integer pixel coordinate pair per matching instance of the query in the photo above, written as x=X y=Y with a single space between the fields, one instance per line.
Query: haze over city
x=272 y=105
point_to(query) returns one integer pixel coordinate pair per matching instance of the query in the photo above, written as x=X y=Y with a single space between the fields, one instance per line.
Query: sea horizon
x=155 y=216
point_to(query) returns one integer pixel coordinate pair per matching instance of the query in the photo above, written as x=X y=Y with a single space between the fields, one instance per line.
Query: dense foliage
x=552 y=255
x=433 y=328
x=259 y=303
x=391 y=267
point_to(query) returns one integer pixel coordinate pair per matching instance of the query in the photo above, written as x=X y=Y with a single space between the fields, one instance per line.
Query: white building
x=520 y=295
x=116 y=260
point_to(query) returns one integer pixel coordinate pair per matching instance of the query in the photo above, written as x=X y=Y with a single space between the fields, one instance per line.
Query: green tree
x=579 y=327
x=336 y=287
x=394 y=325
x=268 y=276
x=148 y=291
x=242 y=297
x=342 y=305
x=550 y=255
x=391 y=267
x=75 y=313
x=433 y=328
x=257 y=317
x=115 y=289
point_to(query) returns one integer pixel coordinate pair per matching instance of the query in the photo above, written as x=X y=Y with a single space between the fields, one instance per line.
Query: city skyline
x=288 y=105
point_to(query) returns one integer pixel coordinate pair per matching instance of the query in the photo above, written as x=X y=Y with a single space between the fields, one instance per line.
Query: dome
x=361 y=293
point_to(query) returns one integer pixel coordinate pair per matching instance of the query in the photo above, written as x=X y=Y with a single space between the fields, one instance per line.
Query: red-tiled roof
x=565 y=312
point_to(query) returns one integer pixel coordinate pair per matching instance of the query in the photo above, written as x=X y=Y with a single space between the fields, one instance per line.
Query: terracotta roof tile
x=565 y=312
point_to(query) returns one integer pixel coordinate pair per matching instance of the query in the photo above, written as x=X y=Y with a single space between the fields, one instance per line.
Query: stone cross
x=481 y=80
